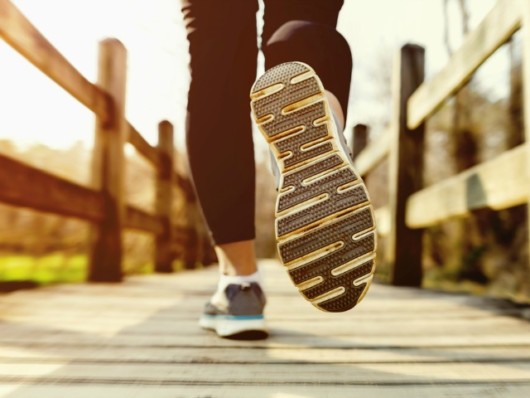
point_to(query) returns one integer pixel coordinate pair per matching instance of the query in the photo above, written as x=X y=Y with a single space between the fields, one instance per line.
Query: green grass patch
x=63 y=268
x=52 y=268
x=446 y=280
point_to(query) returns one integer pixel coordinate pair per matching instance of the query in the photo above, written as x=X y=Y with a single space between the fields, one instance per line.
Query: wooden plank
x=142 y=146
x=359 y=139
x=186 y=187
x=271 y=374
x=496 y=28
x=144 y=334
x=187 y=306
x=164 y=253
x=88 y=389
x=275 y=315
x=20 y=34
x=404 y=245
x=141 y=220
x=382 y=218
x=526 y=108
x=333 y=329
x=373 y=154
x=115 y=354
x=108 y=166
x=190 y=294
x=280 y=339
x=26 y=186
x=498 y=184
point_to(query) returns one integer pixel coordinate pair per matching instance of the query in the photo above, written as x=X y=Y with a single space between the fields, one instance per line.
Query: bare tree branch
x=465 y=16
x=447 y=41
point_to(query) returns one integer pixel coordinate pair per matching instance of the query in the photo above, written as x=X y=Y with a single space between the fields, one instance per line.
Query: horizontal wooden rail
x=498 y=184
x=141 y=220
x=382 y=219
x=498 y=26
x=26 y=186
x=142 y=146
x=186 y=187
x=373 y=154
x=20 y=34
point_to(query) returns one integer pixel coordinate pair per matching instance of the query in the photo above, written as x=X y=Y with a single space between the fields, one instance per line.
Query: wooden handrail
x=497 y=184
x=26 y=186
x=20 y=34
x=141 y=220
x=143 y=147
x=104 y=206
x=498 y=26
x=373 y=154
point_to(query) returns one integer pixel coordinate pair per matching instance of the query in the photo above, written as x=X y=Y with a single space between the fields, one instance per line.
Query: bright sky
x=35 y=110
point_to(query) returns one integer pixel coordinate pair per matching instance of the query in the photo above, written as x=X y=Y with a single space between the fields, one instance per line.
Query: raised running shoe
x=325 y=226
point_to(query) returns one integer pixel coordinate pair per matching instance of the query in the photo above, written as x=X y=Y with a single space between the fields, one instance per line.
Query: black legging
x=223 y=51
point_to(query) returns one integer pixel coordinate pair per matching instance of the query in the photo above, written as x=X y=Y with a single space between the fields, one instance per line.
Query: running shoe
x=325 y=227
x=238 y=313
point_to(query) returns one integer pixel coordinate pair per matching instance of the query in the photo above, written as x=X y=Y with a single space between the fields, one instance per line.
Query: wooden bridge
x=140 y=337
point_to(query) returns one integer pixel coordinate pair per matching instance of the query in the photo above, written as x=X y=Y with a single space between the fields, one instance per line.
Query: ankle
x=237 y=258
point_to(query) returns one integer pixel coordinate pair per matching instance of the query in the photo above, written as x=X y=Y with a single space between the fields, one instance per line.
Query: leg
x=237 y=258
x=306 y=32
x=223 y=50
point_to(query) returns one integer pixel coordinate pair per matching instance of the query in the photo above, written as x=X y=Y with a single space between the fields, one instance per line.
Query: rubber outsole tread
x=324 y=219
x=248 y=335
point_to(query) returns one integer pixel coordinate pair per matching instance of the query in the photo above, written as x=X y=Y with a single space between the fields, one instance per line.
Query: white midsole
x=226 y=327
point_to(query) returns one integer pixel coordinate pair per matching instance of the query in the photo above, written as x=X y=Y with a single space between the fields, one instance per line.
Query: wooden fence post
x=525 y=6
x=404 y=252
x=108 y=166
x=164 y=198
x=359 y=139
x=191 y=248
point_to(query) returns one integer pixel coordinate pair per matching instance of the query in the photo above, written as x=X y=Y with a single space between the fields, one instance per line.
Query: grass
x=52 y=268
x=60 y=268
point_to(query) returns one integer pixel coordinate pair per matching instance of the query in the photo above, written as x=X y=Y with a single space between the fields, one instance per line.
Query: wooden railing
x=498 y=184
x=104 y=203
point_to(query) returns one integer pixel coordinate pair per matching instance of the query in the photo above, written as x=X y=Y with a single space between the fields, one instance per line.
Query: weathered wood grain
x=86 y=389
x=359 y=139
x=498 y=26
x=272 y=355
x=141 y=337
x=270 y=374
x=373 y=154
x=525 y=9
x=497 y=184
x=142 y=146
x=382 y=218
x=108 y=166
x=26 y=186
x=403 y=252
x=141 y=220
x=164 y=253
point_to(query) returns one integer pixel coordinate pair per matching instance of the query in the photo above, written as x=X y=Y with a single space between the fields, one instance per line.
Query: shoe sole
x=325 y=228
x=235 y=329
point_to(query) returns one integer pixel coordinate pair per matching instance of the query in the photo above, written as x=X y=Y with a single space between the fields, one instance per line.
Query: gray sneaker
x=239 y=315
x=324 y=219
